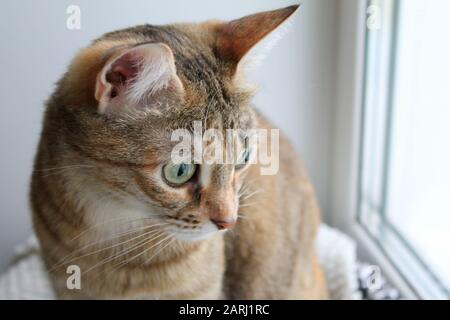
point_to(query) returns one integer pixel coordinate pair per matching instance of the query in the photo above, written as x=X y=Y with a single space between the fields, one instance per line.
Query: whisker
x=104 y=223
x=70 y=256
x=251 y=204
x=159 y=250
x=141 y=253
x=65 y=167
x=168 y=238
x=99 y=250
x=126 y=251
x=249 y=195
x=61 y=170
x=56 y=173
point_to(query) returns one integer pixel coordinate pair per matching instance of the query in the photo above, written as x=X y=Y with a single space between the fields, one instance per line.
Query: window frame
x=344 y=189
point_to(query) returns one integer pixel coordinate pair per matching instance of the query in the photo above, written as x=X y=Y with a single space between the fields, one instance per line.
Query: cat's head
x=123 y=97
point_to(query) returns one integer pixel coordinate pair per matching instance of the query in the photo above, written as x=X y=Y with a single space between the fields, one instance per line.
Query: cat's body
x=99 y=201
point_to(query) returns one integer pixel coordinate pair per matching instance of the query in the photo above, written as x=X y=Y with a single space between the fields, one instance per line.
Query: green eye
x=243 y=159
x=178 y=173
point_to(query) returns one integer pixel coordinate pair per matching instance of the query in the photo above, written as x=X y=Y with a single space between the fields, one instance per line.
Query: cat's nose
x=222 y=224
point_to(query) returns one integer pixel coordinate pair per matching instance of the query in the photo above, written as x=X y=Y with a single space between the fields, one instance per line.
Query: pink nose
x=221 y=225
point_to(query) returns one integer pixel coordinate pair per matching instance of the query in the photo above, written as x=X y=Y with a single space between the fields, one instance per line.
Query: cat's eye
x=177 y=174
x=243 y=159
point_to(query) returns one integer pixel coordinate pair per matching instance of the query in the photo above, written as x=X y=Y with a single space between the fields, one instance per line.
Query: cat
x=107 y=198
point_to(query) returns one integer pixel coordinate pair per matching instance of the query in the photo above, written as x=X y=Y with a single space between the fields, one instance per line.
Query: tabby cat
x=107 y=198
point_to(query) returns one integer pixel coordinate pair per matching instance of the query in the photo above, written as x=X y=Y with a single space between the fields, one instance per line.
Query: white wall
x=296 y=80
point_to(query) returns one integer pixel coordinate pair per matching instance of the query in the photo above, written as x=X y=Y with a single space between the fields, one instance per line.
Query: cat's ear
x=237 y=37
x=136 y=77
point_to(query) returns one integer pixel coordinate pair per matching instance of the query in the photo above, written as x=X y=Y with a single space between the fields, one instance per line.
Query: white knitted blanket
x=27 y=279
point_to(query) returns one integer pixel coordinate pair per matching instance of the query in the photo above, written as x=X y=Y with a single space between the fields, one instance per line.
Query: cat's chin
x=194 y=237
x=206 y=232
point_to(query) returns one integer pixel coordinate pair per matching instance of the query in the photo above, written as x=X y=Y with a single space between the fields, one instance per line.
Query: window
x=404 y=182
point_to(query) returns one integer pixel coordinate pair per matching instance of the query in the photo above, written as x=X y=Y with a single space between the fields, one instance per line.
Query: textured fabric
x=337 y=254
x=27 y=279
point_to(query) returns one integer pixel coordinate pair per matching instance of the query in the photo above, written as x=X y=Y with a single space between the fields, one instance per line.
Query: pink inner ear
x=123 y=70
x=133 y=78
